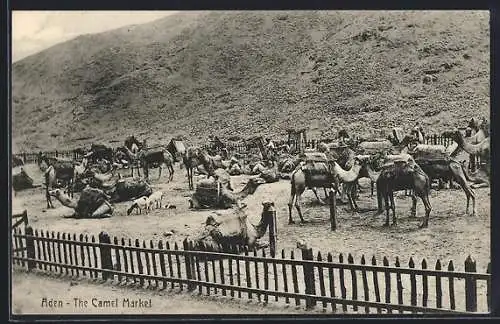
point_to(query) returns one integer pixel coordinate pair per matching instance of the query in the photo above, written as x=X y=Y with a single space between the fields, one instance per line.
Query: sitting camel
x=21 y=180
x=235 y=230
x=210 y=193
x=93 y=203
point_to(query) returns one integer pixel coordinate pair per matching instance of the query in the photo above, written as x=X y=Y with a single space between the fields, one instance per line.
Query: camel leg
x=428 y=208
x=380 y=209
x=171 y=175
x=413 y=207
x=393 y=207
x=371 y=187
x=350 y=188
x=317 y=197
x=103 y=211
x=387 y=207
x=290 y=208
x=297 y=205
x=459 y=177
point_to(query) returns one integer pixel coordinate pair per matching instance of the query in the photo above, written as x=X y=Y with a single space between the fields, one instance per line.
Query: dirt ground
x=451 y=235
x=30 y=289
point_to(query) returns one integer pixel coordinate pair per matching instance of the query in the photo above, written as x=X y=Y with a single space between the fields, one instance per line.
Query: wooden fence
x=32 y=157
x=299 y=277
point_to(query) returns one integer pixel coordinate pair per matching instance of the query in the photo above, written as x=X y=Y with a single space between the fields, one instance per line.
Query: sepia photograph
x=314 y=162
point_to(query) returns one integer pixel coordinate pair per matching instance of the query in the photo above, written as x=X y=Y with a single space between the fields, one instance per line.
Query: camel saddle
x=208 y=192
x=90 y=200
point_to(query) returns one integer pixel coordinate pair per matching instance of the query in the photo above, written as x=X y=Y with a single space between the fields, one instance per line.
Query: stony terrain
x=245 y=73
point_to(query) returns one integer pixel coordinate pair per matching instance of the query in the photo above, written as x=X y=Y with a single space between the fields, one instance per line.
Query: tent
x=176 y=148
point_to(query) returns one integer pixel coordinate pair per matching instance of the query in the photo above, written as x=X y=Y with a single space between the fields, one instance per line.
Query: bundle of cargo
x=208 y=193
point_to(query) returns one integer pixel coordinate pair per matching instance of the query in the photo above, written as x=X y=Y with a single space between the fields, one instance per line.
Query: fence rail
x=336 y=283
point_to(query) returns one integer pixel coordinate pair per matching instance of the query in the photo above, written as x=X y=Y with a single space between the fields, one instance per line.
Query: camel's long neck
x=372 y=174
x=261 y=228
x=347 y=176
x=468 y=147
x=244 y=192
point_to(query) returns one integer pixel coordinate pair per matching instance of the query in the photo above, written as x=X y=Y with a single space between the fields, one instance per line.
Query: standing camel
x=319 y=174
x=402 y=176
x=157 y=156
x=190 y=160
x=479 y=136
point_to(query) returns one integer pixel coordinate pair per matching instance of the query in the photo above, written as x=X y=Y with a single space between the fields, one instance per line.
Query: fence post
x=187 y=260
x=273 y=233
x=307 y=254
x=30 y=247
x=333 y=210
x=470 y=286
x=105 y=252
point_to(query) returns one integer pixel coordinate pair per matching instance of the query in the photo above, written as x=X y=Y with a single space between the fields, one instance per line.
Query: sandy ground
x=451 y=235
x=31 y=289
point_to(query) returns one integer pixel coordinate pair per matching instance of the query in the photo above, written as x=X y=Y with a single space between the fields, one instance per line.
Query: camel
x=418 y=134
x=128 y=189
x=133 y=144
x=478 y=137
x=21 y=180
x=312 y=174
x=481 y=149
x=349 y=178
x=401 y=176
x=233 y=230
x=93 y=203
x=210 y=193
x=191 y=160
x=149 y=157
x=133 y=160
x=16 y=161
x=55 y=170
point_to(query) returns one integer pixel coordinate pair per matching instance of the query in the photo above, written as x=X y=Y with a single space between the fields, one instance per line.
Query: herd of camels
x=392 y=166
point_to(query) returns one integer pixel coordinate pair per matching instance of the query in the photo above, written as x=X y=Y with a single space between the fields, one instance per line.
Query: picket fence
x=313 y=280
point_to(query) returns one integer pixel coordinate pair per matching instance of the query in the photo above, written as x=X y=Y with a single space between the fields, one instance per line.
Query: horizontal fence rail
x=336 y=283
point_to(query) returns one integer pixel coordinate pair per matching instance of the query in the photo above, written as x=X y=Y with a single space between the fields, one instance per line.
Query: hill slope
x=246 y=73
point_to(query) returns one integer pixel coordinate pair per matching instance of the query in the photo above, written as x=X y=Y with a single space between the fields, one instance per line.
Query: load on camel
x=403 y=175
x=211 y=193
x=128 y=189
x=16 y=161
x=221 y=235
x=21 y=180
x=314 y=172
x=93 y=203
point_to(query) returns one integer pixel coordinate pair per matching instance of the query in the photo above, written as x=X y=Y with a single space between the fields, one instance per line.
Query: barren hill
x=246 y=73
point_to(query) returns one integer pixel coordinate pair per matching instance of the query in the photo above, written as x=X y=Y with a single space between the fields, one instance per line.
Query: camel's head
x=301 y=244
x=267 y=204
x=468 y=132
x=56 y=193
x=474 y=124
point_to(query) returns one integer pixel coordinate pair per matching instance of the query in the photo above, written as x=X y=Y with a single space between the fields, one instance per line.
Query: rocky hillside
x=246 y=73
